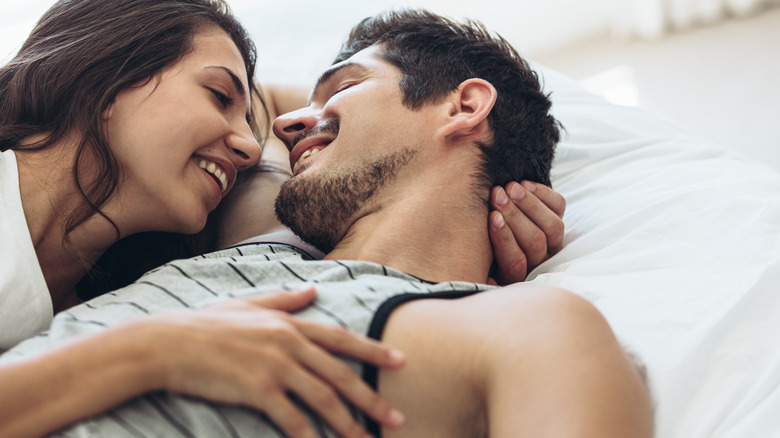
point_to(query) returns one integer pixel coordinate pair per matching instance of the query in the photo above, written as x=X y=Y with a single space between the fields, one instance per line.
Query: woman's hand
x=526 y=228
x=253 y=352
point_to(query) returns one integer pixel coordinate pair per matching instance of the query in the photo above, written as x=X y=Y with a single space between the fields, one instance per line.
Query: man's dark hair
x=435 y=55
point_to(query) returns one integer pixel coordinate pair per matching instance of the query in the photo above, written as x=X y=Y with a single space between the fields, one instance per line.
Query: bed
x=677 y=242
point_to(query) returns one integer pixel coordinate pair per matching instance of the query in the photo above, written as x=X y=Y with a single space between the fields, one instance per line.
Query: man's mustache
x=330 y=126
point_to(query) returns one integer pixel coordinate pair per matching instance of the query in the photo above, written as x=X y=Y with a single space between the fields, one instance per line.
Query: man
x=404 y=137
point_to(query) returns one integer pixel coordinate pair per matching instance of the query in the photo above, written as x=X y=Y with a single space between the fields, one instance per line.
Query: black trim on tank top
x=377 y=328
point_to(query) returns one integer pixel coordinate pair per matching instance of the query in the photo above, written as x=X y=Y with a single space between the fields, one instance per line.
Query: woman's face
x=180 y=138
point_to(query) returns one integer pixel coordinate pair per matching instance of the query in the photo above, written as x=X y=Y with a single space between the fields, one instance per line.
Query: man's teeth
x=307 y=154
x=215 y=170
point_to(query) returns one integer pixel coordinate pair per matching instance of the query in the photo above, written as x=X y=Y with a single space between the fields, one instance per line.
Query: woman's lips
x=214 y=170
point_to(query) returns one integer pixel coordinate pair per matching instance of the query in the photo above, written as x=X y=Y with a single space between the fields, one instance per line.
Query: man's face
x=348 y=148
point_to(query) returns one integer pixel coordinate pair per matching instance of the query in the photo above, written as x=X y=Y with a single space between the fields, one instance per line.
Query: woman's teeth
x=215 y=170
x=308 y=153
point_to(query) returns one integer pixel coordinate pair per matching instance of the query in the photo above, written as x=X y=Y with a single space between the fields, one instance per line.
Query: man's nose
x=288 y=126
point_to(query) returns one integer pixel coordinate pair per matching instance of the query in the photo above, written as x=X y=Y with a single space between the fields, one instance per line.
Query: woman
x=118 y=117
x=99 y=155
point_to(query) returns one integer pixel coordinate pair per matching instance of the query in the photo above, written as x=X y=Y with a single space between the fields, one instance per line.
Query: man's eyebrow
x=236 y=81
x=329 y=73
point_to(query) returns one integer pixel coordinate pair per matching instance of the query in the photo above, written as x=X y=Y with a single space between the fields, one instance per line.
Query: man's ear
x=470 y=106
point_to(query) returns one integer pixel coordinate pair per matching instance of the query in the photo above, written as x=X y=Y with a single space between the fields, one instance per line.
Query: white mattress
x=677 y=242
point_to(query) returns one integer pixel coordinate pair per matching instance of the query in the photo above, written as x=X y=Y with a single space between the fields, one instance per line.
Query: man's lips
x=315 y=141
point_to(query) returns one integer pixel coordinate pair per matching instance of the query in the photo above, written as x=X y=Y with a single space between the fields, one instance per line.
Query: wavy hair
x=79 y=56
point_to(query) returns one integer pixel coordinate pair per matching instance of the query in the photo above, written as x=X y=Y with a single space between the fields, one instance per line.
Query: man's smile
x=305 y=155
x=308 y=147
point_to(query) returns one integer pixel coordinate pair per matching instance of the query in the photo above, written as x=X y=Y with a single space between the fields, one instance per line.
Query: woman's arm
x=213 y=353
x=74 y=381
x=281 y=99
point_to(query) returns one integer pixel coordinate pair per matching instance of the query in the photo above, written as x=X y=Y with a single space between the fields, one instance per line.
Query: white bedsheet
x=677 y=242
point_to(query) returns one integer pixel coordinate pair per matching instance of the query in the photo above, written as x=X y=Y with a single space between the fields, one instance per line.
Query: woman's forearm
x=243 y=351
x=79 y=379
x=283 y=98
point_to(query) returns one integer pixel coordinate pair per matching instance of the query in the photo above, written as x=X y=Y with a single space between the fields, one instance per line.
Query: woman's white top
x=25 y=303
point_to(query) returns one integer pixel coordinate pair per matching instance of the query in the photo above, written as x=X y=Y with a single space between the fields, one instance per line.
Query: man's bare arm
x=522 y=361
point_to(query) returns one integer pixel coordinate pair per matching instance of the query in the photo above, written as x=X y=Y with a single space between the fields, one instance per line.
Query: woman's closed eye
x=223 y=98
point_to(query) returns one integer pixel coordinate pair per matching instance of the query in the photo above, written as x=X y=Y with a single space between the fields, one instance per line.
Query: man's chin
x=316 y=205
x=302 y=205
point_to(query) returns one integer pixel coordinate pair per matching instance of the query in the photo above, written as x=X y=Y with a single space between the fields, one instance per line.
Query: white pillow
x=677 y=242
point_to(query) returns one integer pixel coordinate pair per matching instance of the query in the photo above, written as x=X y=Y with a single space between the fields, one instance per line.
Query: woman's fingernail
x=397 y=357
x=395 y=418
x=516 y=192
x=498 y=221
x=501 y=198
x=531 y=187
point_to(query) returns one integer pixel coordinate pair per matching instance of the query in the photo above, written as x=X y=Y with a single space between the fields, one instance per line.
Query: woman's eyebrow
x=236 y=81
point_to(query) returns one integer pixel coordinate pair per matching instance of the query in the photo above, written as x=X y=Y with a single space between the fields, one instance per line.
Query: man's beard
x=318 y=208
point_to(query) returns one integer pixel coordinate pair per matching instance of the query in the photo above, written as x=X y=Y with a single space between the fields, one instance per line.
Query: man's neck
x=447 y=243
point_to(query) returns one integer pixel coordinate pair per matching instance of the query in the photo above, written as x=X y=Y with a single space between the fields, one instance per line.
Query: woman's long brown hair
x=79 y=56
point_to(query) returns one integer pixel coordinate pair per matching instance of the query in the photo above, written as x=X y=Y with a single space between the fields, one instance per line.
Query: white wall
x=536 y=26
x=299 y=37
x=17 y=18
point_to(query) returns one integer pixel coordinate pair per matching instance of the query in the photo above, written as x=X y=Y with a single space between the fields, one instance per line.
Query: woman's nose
x=245 y=148
x=288 y=126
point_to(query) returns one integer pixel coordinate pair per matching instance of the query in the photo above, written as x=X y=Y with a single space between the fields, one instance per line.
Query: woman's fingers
x=286 y=301
x=526 y=229
x=549 y=197
x=287 y=417
x=295 y=356
x=251 y=351
x=341 y=341
x=510 y=259
x=325 y=400
x=544 y=207
x=334 y=339
x=341 y=378
x=300 y=365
